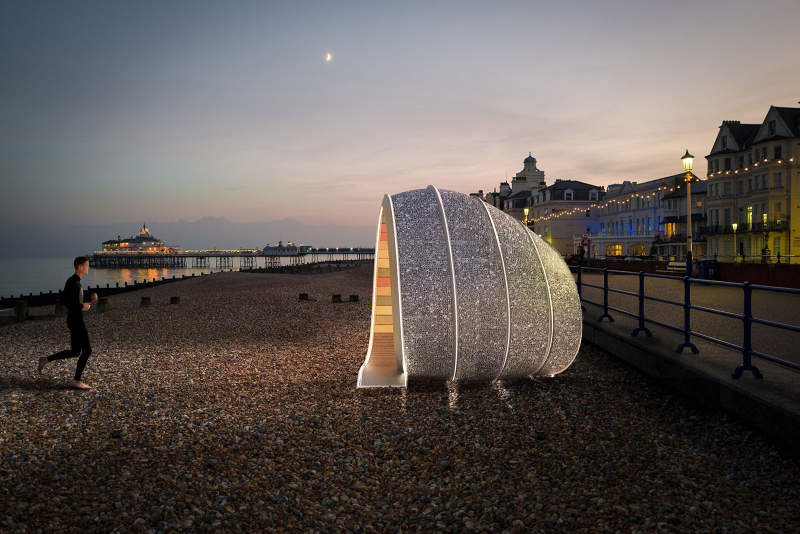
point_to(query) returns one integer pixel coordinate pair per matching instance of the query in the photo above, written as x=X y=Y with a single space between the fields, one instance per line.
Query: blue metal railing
x=746 y=348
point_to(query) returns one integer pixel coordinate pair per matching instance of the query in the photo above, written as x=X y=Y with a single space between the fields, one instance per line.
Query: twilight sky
x=158 y=111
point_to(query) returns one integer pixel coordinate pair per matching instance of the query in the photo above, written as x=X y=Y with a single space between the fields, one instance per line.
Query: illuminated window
x=614 y=250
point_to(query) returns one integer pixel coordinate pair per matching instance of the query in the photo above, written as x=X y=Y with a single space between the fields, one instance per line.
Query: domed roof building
x=464 y=291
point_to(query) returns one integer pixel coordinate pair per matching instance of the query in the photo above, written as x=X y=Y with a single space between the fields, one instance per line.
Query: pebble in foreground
x=236 y=412
x=462 y=291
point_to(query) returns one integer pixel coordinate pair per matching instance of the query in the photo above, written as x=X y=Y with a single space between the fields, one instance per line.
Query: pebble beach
x=236 y=411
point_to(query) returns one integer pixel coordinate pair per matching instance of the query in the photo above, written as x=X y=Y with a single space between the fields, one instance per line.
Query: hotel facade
x=644 y=219
x=753 y=200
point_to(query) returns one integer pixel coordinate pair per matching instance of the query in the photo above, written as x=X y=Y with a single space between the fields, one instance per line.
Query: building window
x=740 y=162
x=776 y=180
x=763 y=152
x=593 y=194
x=749 y=184
x=778 y=151
x=739 y=187
x=724 y=142
x=771 y=127
x=726 y=188
x=568 y=195
x=776 y=245
x=727 y=164
x=614 y=250
x=727 y=214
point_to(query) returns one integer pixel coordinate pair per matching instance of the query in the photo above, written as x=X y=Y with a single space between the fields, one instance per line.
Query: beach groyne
x=49 y=298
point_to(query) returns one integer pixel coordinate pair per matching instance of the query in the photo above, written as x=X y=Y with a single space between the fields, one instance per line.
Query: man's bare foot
x=42 y=363
x=80 y=385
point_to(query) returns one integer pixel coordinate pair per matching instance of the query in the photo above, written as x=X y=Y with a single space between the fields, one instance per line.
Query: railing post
x=641 y=327
x=687 y=316
x=580 y=295
x=605 y=297
x=747 y=344
x=689 y=263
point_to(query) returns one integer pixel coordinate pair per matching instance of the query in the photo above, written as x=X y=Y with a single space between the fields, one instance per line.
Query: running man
x=79 y=337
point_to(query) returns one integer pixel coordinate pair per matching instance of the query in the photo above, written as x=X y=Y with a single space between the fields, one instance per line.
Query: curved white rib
x=372 y=315
x=399 y=293
x=549 y=296
x=505 y=285
x=452 y=276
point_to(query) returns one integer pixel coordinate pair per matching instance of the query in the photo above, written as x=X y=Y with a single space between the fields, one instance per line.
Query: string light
x=602 y=205
x=609 y=202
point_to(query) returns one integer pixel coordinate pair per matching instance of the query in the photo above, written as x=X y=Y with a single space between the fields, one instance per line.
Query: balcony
x=771 y=226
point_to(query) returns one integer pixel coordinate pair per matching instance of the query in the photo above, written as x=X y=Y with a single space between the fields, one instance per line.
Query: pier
x=223 y=259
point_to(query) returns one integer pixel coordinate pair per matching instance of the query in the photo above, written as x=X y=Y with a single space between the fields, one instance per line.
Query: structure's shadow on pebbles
x=40 y=384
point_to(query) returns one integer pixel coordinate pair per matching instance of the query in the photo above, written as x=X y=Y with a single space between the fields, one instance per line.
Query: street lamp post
x=687 y=160
x=525 y=211
x=765 y=250
x=735 y=250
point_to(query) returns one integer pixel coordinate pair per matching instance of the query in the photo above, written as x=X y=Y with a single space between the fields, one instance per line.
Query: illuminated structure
x=464 y=291
x=144 y=243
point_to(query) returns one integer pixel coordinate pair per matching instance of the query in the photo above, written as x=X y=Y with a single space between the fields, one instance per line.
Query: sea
x=22 y=276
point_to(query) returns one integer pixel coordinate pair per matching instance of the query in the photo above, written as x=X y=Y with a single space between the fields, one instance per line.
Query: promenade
x=769 y=305
x=236 y=410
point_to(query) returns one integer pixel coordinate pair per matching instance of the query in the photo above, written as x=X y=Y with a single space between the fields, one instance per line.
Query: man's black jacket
x=73 y=298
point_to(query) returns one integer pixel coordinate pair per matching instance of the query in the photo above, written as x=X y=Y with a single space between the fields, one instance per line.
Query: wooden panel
x=383 y=300
x=382 y=354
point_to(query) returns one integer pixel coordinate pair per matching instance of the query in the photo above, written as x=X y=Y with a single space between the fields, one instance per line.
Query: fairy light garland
x=573 y=211
x=602 y=205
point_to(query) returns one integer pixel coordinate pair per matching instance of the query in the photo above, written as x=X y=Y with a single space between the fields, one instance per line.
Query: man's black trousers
x=80 y=347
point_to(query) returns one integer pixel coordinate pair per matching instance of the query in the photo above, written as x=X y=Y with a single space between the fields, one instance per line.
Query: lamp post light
x=765 y=250
x=735 y=250
x=687 y=160
x=525 y=211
